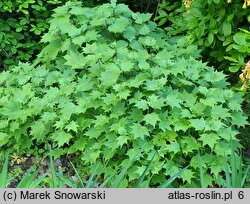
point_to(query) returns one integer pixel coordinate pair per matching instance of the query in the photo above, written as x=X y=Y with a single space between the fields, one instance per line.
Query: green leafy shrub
x=21 y=25
x=110 y=86
x=219 y=28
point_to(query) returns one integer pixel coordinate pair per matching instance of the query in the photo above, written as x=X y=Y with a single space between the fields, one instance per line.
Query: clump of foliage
x=110 y=86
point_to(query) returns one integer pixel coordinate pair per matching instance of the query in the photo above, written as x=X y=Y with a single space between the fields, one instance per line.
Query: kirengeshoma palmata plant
x=110 y=85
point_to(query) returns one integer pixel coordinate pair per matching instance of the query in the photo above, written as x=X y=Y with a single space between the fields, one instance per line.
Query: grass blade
x=4 y=173
x=228 y=177
x=202 y=180
x=239 y=174
x=89 y=182
x=29 y=177
x=233 y=166
x=121 y=175
x=60 y=175
x=78 y=176
x=100 y=172
x=68 y=182
x=37 y=182
x=104 y=183
x=141 y=178
x=244 y=178
x=53 y=172
x=170 y=180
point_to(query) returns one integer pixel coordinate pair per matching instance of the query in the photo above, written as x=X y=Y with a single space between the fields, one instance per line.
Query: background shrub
x=219 y=28
x=21 y=25
x=110 y=86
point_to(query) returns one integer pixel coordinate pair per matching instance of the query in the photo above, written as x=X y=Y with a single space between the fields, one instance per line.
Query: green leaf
x=187 y=175
x=142 y=104
x=84 y=84
x=238 y=119
x=61 y=137
x=198 y=124
x=227 y=28
x=121 y=140
x=189 y=144
x=151 y=118
x=4 y=139
x=210 y=38
x=139 y=131
x=216 y=1
x=28 y=178
x=235 y=103
x=126 y=66
x=4 y=124
x=219 y=112
x=75 y=60
x=91 y=35
x=101 y=120
x=155 y=102
x=110 y=75
x=170 y=135
x=48 y=117
x=79 y=40
x=231 y=59
x=113 y=2
x=38 y=181
x=240 y=39
x=72 y=126
x=67 y=109
x=140 y=18
x=173 y=147
x=38 y=130
x=144 y=30
x=119 y=25
x=78 y=145
x=209 y=139
x=227 y=133
x=173 y=101
x=94 y=132
x=142 y=176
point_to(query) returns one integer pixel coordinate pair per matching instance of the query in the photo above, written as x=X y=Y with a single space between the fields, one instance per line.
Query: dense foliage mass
x=110 y=85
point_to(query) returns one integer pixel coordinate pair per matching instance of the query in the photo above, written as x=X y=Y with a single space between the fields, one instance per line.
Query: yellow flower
x=245 y=76
x=16 y=159
x=188 y=3
x=245 y=4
